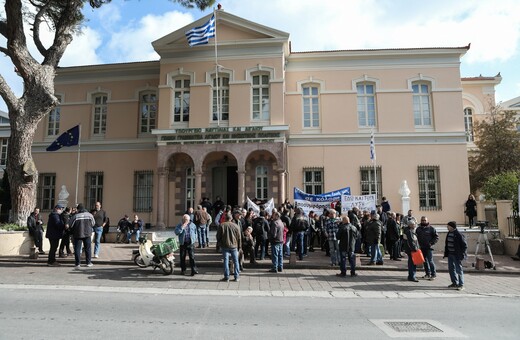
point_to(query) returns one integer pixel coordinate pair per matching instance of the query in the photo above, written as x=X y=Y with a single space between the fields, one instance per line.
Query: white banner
x=268 y=206
x=363 y=202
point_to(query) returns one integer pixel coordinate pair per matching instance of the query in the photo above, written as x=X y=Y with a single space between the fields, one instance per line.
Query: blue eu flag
x=68 y=138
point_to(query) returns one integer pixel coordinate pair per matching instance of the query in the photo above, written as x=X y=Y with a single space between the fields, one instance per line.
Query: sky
x=123 y=30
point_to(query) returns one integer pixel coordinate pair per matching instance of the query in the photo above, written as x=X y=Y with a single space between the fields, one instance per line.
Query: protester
x=455 y=250
x=347 y=235
x=410 y=244
x=82 y=224
x=187 y=235
x=276 y=239
x=428 y=237
x=35 y=226
x=55 y=229
x=100 y=218
x=65 y=240
x=230 y=240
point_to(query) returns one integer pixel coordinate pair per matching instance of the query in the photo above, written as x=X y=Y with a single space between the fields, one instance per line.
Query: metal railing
x=513 y=223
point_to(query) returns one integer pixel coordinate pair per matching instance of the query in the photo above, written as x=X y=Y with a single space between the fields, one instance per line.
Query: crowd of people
x=244 y=234
x=78 y=226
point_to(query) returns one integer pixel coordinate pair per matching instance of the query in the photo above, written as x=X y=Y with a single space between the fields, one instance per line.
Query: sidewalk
x=121 y=254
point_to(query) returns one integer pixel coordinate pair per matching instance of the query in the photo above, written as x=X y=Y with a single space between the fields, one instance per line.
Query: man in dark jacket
x=35 y=225
x=276 y=240
x=299 y=226
x=373 y=232
x=455 y=249
x=260 y=230
x=55 y=228
x=392 y=237
x=81 y=225
x=427 y=236
x=347 y=235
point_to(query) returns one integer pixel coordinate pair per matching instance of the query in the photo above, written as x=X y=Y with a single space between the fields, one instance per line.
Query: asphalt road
x=86 y=312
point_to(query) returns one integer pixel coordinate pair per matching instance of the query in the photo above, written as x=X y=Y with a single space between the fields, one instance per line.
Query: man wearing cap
x=55 y=229
x=455 y=249
x=81 y=224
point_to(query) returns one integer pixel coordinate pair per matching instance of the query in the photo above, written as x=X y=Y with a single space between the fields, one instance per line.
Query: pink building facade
x=158 y=136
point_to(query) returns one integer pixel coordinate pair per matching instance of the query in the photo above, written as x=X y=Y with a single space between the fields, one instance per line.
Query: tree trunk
x=23 y=176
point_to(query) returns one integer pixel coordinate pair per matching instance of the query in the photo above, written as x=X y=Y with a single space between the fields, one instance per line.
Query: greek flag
x=200 y=35
x=372 y=147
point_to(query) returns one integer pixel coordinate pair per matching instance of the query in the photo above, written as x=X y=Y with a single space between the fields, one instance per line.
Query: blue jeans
x=455 y=269
x=234 y=256
x=137 y=232
x=343 y=262
x=375 y=253
x=78 y=242
x=334 y=251
x=97 y=239
x=429 y=265
x=300 y=250
x=202 y=235
x=412 y=268
x=287 y=245
x=277 y=256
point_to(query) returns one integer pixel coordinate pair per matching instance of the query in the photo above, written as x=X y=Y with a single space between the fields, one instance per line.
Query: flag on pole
x=372 y=147
x=68 y=138
x=200 y=35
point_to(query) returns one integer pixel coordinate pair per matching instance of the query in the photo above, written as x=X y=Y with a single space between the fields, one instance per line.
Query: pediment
x=231 y=30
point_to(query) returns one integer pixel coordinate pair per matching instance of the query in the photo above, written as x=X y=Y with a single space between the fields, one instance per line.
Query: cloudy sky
x=123 y=30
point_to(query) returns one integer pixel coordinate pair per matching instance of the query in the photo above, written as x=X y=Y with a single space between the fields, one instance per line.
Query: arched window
x=468 y=124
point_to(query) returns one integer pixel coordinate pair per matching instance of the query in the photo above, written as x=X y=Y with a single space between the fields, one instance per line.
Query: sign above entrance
x=221 y=135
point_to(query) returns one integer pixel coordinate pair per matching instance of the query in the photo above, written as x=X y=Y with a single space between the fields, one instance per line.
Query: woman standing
x=410 y=244
x=471 y=210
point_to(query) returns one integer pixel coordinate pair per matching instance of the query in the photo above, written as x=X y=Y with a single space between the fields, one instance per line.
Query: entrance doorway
x=225 y=184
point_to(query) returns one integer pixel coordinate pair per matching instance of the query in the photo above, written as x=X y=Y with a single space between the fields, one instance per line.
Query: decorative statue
x=63 y=195
x=404 y=190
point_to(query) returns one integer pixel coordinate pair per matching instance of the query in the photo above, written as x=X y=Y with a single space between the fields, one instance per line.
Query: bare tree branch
x=5 y=51
x=36 y=27
x=7 y=94
x=3 y=28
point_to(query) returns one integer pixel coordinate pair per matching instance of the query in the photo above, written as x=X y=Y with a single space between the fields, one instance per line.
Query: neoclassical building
x=258 y=121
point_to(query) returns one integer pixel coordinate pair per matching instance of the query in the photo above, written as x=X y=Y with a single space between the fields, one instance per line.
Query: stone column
x=241 y=186
x=504 y=208
x=281 y=187
x=161 y=197
x=198 y=188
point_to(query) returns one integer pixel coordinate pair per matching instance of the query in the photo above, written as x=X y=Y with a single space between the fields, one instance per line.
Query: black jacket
x=427 y=236
x=461 y=246
x=347 y=235
x=55 y=227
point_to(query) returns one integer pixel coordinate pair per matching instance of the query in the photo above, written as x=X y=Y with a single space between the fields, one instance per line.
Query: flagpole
x=374 y=161
x=77 y=167
x=216 y=70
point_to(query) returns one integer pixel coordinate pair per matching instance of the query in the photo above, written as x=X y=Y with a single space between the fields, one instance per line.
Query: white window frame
x=313 y=180
x=181 y=100
x=366 y=104
x=422 y=104
x=99 y=114
x=468 y=124
x=190 y=188
x=260 y=97
x=311 y=106
x=53 y=120
x=223 y=90
x=262 y=182
x=148 y=110
x=4 y=144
